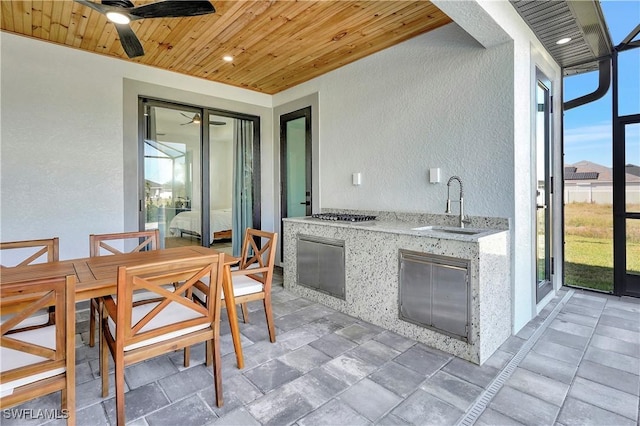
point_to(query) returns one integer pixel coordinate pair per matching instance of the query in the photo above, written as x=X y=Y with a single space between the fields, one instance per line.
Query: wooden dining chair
x=102 y=244
x=251 y=279
x=28 y=252
x=136 y=331
x=38 y=361
x=25 y=250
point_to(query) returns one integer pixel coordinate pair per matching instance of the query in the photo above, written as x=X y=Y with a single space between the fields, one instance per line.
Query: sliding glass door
x=172 y=174
x=295 y=166
x=199 y=193
x=543 y=208
x=234 y=170
x=627 y=208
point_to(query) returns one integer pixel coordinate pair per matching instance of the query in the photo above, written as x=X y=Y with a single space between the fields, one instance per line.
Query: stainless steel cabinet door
x=320 y=263
x=415 y=290
x=434 y=292
x=307 y=263
x=449 y=305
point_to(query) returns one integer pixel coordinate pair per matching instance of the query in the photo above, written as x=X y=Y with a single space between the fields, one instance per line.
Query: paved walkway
x=577 y=363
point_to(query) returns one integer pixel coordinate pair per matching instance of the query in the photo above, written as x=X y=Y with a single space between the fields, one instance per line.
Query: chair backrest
x=42 y=361
x=260 y=258
x=146 y=240
x=153 y=278
x=48 y=247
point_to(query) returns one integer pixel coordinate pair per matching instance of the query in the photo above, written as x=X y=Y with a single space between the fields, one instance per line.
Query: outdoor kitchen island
x=418 y=275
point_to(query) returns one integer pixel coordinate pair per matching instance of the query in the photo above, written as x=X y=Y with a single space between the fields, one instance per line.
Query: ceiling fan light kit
x=122 y=12
x=118 y=18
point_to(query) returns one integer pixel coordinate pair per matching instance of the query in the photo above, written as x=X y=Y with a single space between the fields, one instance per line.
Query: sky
x=587 y=129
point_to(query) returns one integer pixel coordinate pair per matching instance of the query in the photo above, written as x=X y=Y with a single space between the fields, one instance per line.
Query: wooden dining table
x=97 y=276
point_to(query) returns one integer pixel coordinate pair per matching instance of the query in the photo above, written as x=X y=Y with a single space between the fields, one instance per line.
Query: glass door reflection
x=172 y=174
x=543 y=193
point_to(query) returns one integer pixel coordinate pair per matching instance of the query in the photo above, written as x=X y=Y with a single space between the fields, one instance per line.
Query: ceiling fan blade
x=129 y=41
x=172 y=9
x=95 y=6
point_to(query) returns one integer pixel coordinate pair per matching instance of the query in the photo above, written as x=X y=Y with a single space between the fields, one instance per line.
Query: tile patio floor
x=577 y=363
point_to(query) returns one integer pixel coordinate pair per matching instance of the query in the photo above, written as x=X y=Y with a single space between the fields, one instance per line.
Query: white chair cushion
x=169 y=315
x=252 y=266
x=243 y=285
x=200 y=295
x=140 y=295
x=11 y=358
x=41 y=317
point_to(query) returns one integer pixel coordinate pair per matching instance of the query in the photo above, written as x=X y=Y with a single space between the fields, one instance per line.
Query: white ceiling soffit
x=582 y=20
x=475 y=20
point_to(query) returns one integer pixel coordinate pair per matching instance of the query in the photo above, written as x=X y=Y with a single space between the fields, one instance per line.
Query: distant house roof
x=153 y=184
x=632 y=169
x=569 y=175
x=589 y=171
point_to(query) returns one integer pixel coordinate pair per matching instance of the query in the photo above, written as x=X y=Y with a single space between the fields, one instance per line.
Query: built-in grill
x=345 y=217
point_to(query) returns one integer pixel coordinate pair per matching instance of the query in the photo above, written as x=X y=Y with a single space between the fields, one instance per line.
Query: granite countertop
x=403 y=227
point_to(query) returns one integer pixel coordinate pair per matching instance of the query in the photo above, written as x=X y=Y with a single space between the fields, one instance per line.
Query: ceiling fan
x=196 y=120
x=121 y=12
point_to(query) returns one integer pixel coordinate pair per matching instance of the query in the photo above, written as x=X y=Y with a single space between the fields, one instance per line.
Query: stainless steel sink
x=424 y=228
x=460 y=231
x=448 y=229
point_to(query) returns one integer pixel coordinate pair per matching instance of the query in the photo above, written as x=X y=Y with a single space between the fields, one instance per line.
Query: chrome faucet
x=462 y=219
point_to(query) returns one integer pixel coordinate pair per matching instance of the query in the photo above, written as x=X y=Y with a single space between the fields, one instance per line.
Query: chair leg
x=119 y=370
x=214 y=346
x=92 y=322
x=68 y=402
x=208 y=360
x=63 y=398
x=187 y=356
x=104 y=366
x=269 y=313
x=245 y=313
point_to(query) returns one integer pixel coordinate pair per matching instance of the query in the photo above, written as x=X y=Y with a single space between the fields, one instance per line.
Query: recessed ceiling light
x=564 y=40
x=118 y=18
x=228 y=58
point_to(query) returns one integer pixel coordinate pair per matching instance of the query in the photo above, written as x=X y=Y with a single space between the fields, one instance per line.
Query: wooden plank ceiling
x=275 y=44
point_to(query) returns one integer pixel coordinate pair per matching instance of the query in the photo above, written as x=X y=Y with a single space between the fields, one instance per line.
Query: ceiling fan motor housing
x=118 y=3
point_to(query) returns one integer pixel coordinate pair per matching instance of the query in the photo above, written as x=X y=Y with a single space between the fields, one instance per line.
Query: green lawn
x=589 y=246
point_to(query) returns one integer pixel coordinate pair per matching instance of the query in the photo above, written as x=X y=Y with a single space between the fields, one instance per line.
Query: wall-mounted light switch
x=356 y=178
x=434 y=175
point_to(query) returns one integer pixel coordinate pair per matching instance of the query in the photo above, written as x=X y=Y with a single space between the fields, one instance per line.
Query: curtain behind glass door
x=243 y=148
x=222 y=177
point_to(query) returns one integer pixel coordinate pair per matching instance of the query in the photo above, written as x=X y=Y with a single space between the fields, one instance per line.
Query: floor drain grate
x=485 y=398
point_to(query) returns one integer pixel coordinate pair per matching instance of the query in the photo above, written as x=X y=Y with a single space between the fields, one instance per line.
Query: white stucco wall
x=529 y=55
x=437 y=100
x=64 y=135
x=442 y=100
